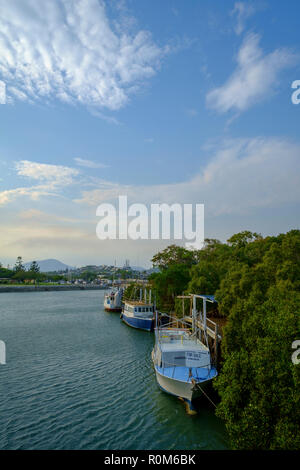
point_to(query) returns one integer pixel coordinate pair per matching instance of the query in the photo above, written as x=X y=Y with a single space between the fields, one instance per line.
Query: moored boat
x=138 y=313
x=182 y=363
x=113 y=301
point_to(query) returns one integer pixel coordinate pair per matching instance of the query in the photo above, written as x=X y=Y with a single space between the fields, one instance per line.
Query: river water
x=76 y=377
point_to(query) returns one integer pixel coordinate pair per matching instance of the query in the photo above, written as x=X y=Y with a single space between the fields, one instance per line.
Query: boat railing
x=167 y=334
x=173 y=322
x=194 y=372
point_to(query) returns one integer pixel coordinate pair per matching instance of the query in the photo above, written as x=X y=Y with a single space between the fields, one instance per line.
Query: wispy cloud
x=243 y=175
x=72 y=52
x=254 y=79
x=98 y=114
x=2 y=93
x=54 y=174
x=50 y=179
x=89 y=163
x=242 y=11
x=33 y=192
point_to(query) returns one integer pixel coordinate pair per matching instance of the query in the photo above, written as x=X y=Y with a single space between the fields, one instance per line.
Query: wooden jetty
x=206 y=329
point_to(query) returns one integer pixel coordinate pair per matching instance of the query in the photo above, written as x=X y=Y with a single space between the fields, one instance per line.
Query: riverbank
x=43 y=288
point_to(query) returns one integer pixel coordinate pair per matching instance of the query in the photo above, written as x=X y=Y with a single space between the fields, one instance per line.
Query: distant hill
x=49 y=265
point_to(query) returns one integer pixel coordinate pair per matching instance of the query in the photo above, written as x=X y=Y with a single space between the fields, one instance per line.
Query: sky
x=174 y=102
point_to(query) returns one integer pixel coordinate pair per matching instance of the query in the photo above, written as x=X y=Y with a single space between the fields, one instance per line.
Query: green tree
x=169 y=283
x=174 y=255
x=6 y=273
x=19 y=265
x=132 y=292
x=34 y=267
x=259 y=385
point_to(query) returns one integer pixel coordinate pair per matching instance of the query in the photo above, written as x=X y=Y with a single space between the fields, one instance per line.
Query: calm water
x=78 y=378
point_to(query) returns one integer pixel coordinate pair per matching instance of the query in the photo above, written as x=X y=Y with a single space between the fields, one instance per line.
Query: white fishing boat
x=182 y=363
x=113 y=301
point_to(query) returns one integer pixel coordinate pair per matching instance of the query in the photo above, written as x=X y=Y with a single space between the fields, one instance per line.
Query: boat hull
x=182 y=388
x=179 y=389
x=146 y=324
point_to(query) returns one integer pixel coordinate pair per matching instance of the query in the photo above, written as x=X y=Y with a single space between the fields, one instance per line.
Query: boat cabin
x=139 y=309
x=176 y=348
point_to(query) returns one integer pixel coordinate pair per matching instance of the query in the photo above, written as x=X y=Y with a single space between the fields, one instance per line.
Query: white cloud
x=255 y=77
x=70 y=51
x=242 y=11
x=243 y=175
x=51 y=178
x=89 y=163
x=2 y=93
x=54 y=174
x=34 y=192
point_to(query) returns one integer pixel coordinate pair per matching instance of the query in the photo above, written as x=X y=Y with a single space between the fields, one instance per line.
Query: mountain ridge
x=49 y=265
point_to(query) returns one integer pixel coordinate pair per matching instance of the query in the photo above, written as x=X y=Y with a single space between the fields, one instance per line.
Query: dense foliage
x=259 y=385
x=257 y=284
x=174 y=263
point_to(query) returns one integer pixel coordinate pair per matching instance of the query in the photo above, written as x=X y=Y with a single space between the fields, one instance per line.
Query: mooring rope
x=207 y=396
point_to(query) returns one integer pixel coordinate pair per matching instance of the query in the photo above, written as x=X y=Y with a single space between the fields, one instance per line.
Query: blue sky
x=177 y=101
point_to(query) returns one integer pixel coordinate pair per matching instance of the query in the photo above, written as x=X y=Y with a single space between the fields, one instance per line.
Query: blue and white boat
x=182 y=363
x=138 y=314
